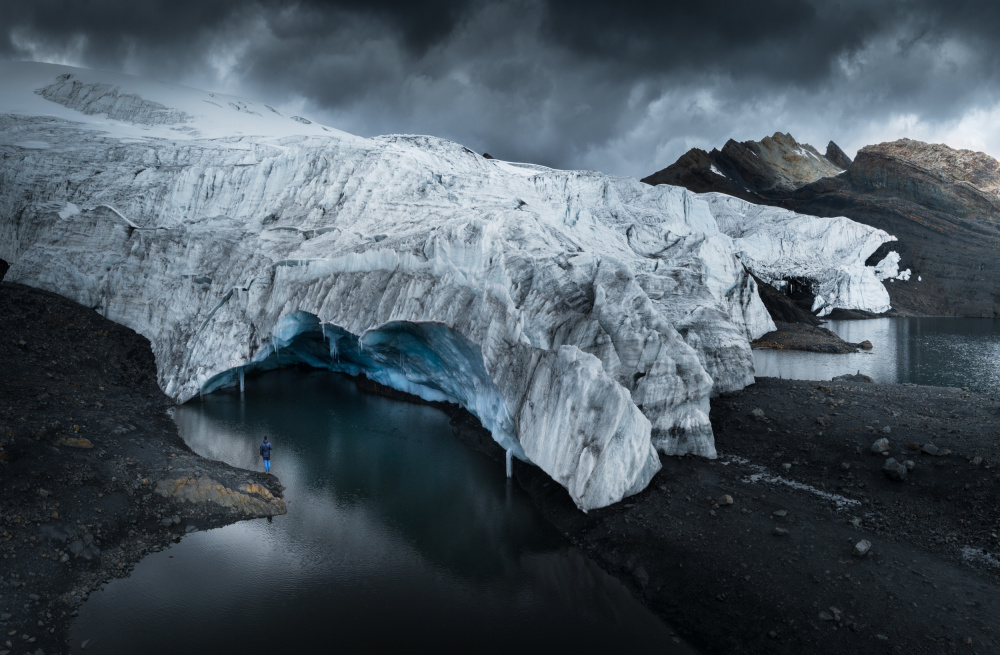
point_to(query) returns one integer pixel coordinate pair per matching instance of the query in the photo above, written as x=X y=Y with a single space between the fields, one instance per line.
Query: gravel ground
x=757 y=551
x=85 y=442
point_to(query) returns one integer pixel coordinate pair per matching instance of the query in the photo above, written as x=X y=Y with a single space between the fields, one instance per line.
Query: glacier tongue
x=584 y=319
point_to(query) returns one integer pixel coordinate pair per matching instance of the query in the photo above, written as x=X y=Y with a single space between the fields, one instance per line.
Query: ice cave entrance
x=427 y=360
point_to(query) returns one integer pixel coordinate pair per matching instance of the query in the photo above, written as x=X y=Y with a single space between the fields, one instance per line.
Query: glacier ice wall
x=584 y=319
x=828 y=254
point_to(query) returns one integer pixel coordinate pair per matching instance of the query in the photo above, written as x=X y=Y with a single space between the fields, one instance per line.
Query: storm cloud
x=623 y=87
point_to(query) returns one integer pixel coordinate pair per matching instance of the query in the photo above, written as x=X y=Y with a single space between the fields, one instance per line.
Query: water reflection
x=948 y=352
x=396 y=538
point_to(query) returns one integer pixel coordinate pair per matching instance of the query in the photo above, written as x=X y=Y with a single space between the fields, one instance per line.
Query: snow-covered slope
x=585 y=319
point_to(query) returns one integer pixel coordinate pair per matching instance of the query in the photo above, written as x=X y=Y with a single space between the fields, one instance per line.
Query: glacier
x=585 y=319
x=827 y=255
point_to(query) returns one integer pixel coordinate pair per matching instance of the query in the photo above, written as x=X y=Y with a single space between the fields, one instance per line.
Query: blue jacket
x=265 y=450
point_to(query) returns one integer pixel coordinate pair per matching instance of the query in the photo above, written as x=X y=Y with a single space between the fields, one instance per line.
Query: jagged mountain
x=941 y=203
x=584 y=319
x=777 y=164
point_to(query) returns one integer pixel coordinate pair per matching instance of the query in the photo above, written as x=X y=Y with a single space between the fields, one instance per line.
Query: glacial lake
x=398 y=538
x=944 y=352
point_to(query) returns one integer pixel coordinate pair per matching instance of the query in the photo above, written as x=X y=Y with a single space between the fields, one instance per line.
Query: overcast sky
x=624 y=87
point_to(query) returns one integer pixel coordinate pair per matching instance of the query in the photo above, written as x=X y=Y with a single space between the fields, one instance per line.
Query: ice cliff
x=584 y=319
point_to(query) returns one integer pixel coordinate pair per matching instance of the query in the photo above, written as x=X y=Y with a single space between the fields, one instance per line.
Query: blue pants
x=267 y=464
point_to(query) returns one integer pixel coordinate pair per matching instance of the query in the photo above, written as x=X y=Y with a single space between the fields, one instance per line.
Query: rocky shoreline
x=802 y=336
x=93 y=475
x=755 y=552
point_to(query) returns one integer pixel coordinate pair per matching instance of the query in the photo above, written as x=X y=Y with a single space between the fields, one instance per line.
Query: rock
x=781 y=513
x=862 y=548
x=880 y=446
x=887 y=429
x=757 y=413
x=725 y=500
x=857 y=377
x=75 y=442
x=251 y=499
x=845 y=466
x=865 y=345
x=929 y=449
x=825 y=616
x=909 y=464
x=780 y=532
x=189 y=529
x=787 y=466
x=976 y=461
x=944 y=452
x=894 y=470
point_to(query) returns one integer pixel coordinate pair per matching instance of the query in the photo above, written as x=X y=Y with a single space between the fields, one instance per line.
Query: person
x=265 y=452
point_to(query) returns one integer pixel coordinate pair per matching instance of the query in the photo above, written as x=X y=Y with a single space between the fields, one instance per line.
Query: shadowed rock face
x=776 y=163
x=836 y=156
x=941 y=203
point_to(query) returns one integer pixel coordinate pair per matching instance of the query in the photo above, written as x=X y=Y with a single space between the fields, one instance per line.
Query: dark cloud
x=625 y=87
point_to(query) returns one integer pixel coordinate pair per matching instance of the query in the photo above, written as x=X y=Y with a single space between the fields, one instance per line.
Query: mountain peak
x=777 y=163
x=836 y=156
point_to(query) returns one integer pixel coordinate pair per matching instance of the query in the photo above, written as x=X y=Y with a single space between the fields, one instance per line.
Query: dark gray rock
x=894 y=470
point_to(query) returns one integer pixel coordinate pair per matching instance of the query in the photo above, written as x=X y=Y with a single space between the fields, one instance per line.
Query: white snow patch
x=971 y=554
x=840 y=501
x=717 y=171
x=760 y=474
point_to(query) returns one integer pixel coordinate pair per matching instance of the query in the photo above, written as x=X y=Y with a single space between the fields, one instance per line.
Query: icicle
x=242 y=382
x=510 y=462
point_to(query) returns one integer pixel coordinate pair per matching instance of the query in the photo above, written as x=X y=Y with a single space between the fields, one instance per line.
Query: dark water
x=945 y=352
x=397 y=539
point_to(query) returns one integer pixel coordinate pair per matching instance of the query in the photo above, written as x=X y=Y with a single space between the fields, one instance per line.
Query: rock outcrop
x=941 y=203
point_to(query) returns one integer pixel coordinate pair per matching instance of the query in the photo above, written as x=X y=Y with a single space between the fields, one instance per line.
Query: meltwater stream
x=397 y=539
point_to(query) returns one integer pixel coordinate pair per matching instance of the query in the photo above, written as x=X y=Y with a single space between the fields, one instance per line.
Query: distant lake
x=944 y=352
x=398 y=539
